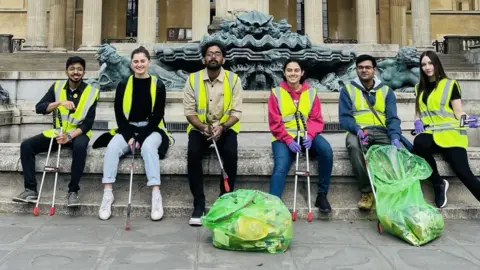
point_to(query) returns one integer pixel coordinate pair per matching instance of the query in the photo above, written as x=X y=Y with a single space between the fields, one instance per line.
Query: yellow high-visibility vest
x=361 y=112
x=196 y=81
x=70 y=121
x=127 y=102
x=437 y=112
x=288 y=109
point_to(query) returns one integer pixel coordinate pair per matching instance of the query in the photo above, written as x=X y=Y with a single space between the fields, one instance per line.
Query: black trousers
x=424 y=146
x=197 y=146
x=39 y=144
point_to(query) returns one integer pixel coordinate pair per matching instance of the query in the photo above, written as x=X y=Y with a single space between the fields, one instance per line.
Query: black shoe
x=441 y=193
x=322 y=203
x=196 y=216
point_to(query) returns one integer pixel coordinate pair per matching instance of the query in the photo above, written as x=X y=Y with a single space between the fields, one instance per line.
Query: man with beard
x=368 y=111
x=212 y=103
x=76 y=102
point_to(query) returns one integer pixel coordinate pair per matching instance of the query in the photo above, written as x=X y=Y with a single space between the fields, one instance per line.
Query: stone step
x=254 y=169
x=43 y=61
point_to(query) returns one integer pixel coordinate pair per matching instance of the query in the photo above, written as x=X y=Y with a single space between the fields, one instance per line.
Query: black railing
x=118 y=40
x=440 y=46
x=342 y=41
x=17 y=44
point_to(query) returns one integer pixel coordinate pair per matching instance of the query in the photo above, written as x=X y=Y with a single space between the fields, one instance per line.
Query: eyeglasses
x=366 y=67
x=211 y=54
x=79 y=69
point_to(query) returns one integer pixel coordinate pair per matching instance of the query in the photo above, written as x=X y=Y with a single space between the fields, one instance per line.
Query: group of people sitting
x=213 y=108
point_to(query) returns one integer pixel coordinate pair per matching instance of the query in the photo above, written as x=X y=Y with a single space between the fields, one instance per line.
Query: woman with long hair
x=439 y=105
x=139 y=109
x=290 y=103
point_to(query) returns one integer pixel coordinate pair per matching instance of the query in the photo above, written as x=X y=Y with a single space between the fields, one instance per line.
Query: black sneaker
x=73 y=200
x=441 y=194
x=196 y=215
x=322 y=203
x=28 y=196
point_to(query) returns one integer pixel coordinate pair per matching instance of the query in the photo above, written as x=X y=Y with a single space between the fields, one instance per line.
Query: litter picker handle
x=414 y=133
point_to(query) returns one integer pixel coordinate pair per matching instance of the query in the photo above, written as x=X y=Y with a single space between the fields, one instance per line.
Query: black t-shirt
x=141 y=100
x=455 y=92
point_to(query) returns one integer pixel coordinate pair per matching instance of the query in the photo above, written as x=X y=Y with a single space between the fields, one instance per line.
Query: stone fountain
x=257 y=47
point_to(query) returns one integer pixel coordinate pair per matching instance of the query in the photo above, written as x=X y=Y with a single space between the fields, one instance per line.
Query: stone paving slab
x=63 y=242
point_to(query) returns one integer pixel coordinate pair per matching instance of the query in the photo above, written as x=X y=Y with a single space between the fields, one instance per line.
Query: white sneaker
x=106 y=207
x=157 y=206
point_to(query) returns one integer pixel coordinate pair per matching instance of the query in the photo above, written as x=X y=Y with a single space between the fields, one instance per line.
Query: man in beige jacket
x=212 y=103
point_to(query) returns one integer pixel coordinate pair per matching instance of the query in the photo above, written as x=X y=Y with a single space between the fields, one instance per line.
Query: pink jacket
x=314 y=123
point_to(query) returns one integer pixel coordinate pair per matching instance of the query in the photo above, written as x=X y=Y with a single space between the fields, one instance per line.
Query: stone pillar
x=36 y=26
x=200 y=18
x=56 y=34
x=314 y=20
x=92 y=25
x=476 y=5
x=221 y=8
x=421 y=24
x=147 y=21
x=367 y=21
x=398 y=22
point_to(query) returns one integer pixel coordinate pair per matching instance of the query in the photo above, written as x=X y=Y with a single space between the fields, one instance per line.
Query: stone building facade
x=60 y=25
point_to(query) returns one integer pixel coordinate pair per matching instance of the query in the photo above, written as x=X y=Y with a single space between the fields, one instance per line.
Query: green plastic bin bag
x=250 y=220
x=401 y=208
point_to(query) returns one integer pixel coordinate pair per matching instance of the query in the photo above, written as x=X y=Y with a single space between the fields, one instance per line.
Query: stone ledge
x=252 y=161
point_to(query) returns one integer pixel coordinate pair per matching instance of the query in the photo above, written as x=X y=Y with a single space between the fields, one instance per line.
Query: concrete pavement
x=69 y=242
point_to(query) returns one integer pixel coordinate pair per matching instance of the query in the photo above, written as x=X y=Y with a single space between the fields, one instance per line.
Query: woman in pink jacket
x=295 y=95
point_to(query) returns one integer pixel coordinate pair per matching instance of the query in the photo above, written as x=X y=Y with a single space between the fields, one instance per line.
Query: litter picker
x=46 y=168
x=224 y=174
x=370 y=179
x=447 y=125
x=129 y=206
x=301 y=173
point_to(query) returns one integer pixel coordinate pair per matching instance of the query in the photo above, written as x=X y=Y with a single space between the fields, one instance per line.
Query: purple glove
x=363 y=137
x=419 y=126
x=474 y=123
x=396 y=143
x=294 y=147
x=307 y=142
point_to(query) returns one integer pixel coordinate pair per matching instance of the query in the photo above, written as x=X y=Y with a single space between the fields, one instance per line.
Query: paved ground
x=62 y=242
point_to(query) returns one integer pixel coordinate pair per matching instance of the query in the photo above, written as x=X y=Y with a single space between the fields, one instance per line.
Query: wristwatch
x=69 y=136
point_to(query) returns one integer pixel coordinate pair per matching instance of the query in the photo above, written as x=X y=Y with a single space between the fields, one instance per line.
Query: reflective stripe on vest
x=200 y=91
x=437 y=112
x=361 y=112
x=70 y=121
x=128 y=96
x=288 y=109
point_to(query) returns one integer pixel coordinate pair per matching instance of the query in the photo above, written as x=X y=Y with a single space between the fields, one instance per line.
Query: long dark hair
x=302 y=79
x=424 y=80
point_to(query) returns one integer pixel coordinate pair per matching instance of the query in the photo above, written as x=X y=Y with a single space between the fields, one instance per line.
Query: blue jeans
x=283 y=158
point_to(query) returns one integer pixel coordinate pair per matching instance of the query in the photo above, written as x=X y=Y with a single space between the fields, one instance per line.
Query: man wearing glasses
x=212 y=103
x=76 y=101
x=368 y=111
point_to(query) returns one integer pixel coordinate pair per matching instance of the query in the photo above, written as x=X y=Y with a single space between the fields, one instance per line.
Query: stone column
x=398 y=22
x=200 y=18
x=221 y=8
x=56 y=35
x=367 y=21
x=476 y=5
x=314 y=20
x=92 y=25
x=421 y=24
x=147 y=21
x=36 y=26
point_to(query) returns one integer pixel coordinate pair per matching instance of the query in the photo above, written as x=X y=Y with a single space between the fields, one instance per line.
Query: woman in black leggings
x=439 y=105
